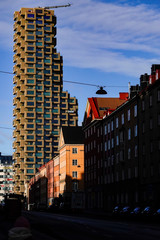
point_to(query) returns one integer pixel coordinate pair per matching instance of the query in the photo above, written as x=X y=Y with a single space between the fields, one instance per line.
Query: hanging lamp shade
x=101 y=91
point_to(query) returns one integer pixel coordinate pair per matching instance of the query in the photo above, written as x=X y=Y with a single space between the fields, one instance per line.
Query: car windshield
x=136 y=209
x=147 y=209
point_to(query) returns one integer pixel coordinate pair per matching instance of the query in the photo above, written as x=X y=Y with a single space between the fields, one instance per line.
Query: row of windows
x=151 y=100
x=38 y=11
x=110 y=126
x=114 y=159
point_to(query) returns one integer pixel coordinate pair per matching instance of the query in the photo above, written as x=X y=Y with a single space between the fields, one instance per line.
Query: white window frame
x=74 y=150
x=74 y=174
x=129 y=114
x=150 y=100
x=122 y=118
x=129 y=153
x=135 y=130
x=135 y=110
x=136 y=151
x=158 y=95
x=117 y=122
x=74 y=162
x=112 y=125
x=109 y=128
x=117 y=140
x=129 y=133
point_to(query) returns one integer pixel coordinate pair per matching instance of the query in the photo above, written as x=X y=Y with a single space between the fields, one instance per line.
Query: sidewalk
x=5 y=225
x=97 y=213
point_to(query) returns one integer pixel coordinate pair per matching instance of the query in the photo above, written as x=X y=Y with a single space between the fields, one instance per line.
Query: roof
x=103 y=104
x=97 y=107
x=73 y=135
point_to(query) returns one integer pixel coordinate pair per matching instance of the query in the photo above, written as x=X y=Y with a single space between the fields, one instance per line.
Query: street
x=63 y=227
x=49 y=226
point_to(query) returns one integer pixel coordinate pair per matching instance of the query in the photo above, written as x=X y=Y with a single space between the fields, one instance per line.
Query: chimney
x=123 y=95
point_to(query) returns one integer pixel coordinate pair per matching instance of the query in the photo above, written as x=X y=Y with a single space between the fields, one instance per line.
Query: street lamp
x=101 y=91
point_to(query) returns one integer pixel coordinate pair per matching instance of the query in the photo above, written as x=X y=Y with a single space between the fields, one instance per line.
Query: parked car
x=136 y=211
x=125 y=211
x=147 y=212
x=156 y=215
x=116 y=211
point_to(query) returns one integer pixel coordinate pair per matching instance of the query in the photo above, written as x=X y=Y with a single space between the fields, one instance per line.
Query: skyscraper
x=41 y=106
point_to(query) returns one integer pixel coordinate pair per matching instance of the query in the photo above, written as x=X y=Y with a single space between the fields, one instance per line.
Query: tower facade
x=41 y=106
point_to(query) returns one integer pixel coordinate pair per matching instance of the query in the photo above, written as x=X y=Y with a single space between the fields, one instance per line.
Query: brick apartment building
x=94 y=160
x=64 y=174
x=122 y=147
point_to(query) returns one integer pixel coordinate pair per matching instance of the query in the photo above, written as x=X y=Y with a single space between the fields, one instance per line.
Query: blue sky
x=103 y=42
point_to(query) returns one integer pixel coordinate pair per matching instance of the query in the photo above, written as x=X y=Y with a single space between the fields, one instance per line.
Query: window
x=30 y=103
x=117 y=122
x=108 y=127
x=136 y=151
x=143 y=105
x=122 y=155
x=75 y=186
x=135 y=111
x=38 y=43
x=150 y=100
x=129 y=153
x=30 y=148
x=74 y=162
x=136 y=171
x=30 y=70
x=105 y=129
x=129 y=172
x=123 y=176
x=38 y=33
x=129 y=134
x=151 y=171
x=105 y=146
x=30 y=26
x=47 y=28
x=122 y=118
x=117 y=140
x=121 y=136
x=129 y=115
x=30 y=15
x=30 y=171
x=111 y=125
x=159 y=119
x=30 y=125
x=151 y=146
x=74 y=174
x=47 y=17
x=38 y=109
x=158 y=95
x=30 y=59
x=135 y=130
x=143 y=127
x=47 y=60
x=30 y=37
x=112 y=142
x=74 y=150
x=109 y=145
x=151 y=123
x=30 y=81
x=30 y=48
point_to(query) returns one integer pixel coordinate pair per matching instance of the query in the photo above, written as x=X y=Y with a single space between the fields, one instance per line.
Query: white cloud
x=101 y=36
x=98 y=35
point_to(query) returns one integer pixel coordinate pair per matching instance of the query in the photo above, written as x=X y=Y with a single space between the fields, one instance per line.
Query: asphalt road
x=49 y=226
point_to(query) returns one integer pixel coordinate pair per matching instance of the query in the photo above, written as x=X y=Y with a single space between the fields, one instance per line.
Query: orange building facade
x=65 y=172
x=71 y=162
